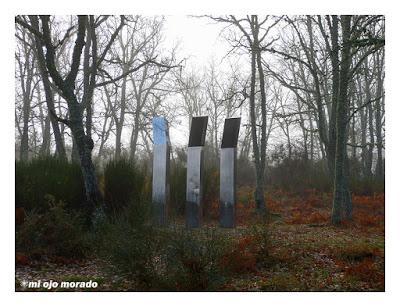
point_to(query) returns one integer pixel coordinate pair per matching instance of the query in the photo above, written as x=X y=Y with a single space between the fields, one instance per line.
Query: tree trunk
x=84 y=147
x=370 y=116
x=341 y=203
x=259 y=160
x=379 y=171
x=134 y=139
x=74 y=151
x=334 y=56
x=24 y=148
x=121 y=120
x=60 y=148
x=45 y=148
x=363 y=121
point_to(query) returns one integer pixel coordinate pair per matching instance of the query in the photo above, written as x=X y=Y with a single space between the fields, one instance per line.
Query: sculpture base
x=227 y=190
x=160 y=193
x=194 y=208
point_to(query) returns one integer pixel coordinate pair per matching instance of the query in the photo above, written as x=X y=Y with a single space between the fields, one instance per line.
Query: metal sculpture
x=194 y=184
x=161 y=156
x=228 y=173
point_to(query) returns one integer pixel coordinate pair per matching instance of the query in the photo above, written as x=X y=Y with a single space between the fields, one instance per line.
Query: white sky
x=198 y=38
x=199 y=42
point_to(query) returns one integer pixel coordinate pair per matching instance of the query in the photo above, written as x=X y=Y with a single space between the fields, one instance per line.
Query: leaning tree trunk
x=134 y=136
x=24 y=149
x=84 y=146
x=60 y=148
x=120 y=123
x=83 y=142
x=26 y=111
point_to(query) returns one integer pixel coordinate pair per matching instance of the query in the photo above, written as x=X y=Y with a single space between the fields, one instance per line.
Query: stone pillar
x=194 y=179
x=161 y=155
x=227 y=194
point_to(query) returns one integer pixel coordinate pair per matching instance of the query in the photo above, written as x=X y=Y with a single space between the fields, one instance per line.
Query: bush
x=357 y=251
x=43 y=176
x=250 y=250
x=56 y=232
x=366 y=186
x=161 y=258
x=123 y=183
x=128 y=241
x=297 y=175
x=367 y=271
x=175 y=258
x=245 y=172
x=193 y=260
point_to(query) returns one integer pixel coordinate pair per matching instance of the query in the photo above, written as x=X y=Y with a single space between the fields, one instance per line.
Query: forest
x=309 y=186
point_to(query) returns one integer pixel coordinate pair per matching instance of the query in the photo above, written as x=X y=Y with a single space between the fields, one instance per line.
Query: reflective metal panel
x=228 y=173
x=194 y=187
x=198 y=130
x=227 y=192
x=231 y=132
x=194 y=184
x=161 y=156
x=160 y=131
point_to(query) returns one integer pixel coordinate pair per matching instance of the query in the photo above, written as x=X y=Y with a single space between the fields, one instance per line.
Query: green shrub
x=57 y=232
x=154 y=258
x=282 y=281
x=247 y=252
x=129 y=242
x=297 y=175
x=48 y=176
x=192 y=260
x=366 y=186
x=123 y=183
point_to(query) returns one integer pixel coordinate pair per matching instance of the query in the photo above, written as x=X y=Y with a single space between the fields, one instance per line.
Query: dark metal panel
x=231 y=132
x=198 y=131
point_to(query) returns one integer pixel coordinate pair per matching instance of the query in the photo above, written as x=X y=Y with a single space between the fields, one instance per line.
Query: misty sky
x=200 y=42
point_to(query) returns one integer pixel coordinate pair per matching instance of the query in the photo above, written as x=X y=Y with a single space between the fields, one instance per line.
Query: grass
x=305 y=258
x=306 y=255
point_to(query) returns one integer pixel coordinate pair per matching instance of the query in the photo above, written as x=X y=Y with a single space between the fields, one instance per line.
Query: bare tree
x=26 y=71
x=253 y=37
x=78 y=92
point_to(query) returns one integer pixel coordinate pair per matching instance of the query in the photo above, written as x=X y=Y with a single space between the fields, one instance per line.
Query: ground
x=305 y=252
